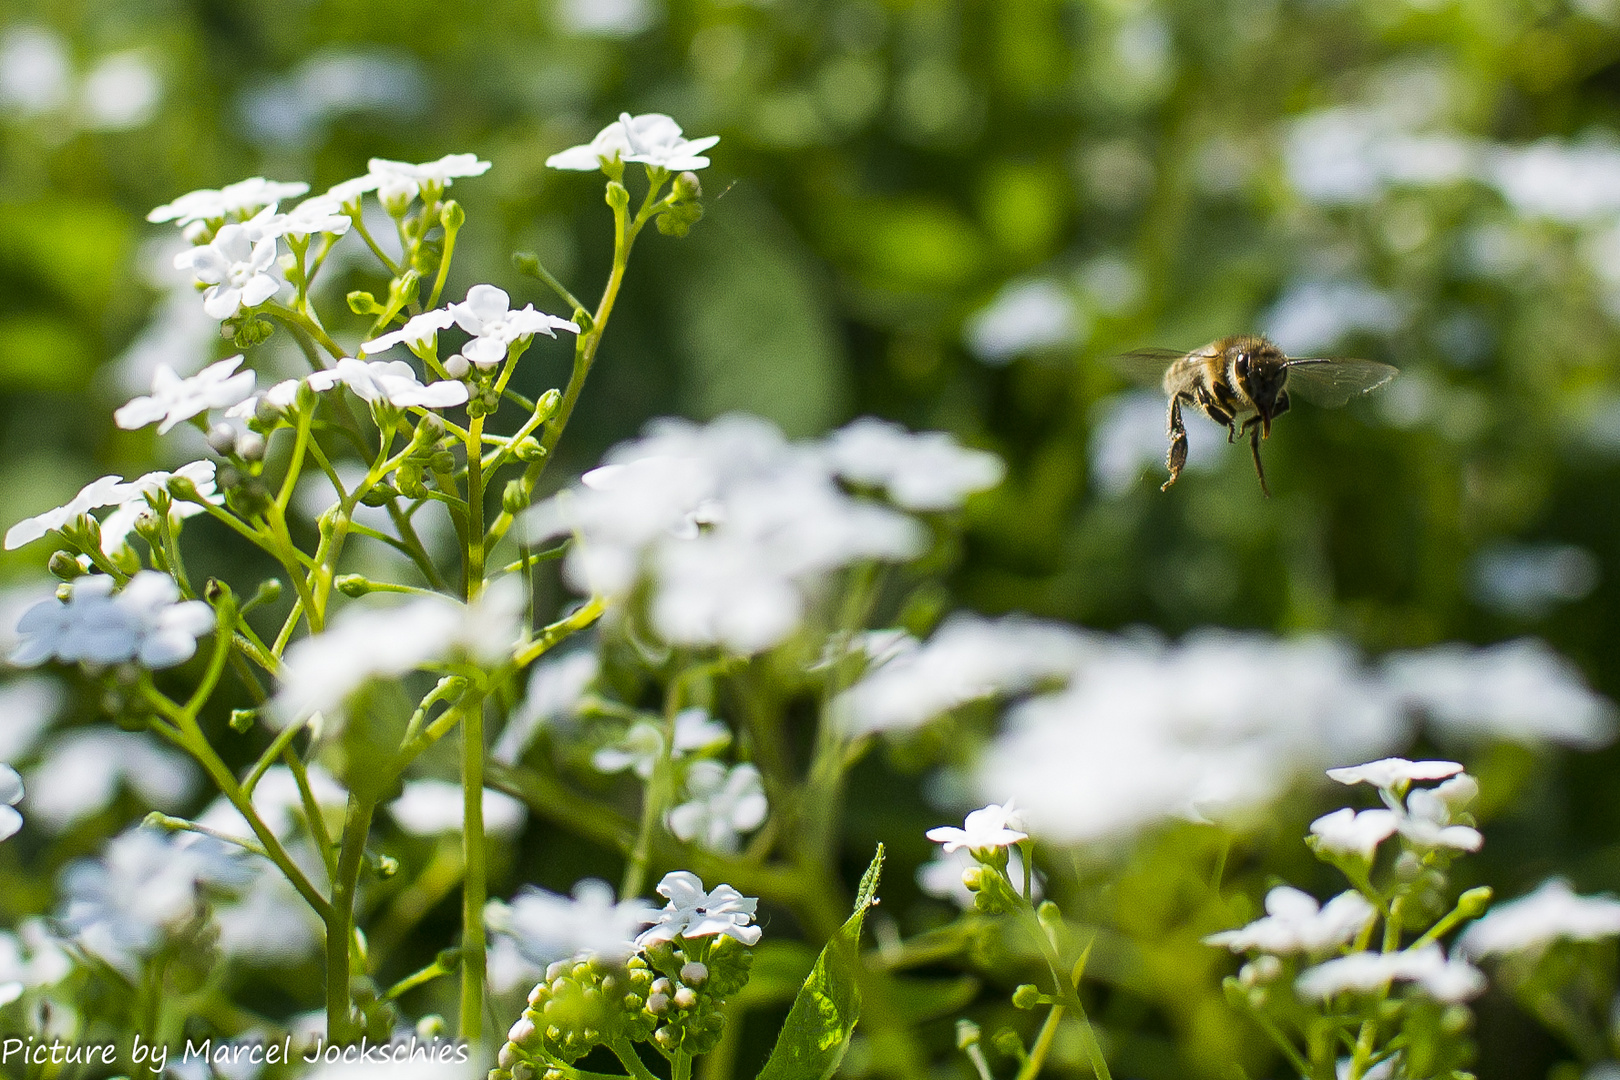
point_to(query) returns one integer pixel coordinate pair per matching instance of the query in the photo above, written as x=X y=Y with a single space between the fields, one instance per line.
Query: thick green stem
x=475 y=887
x=340 y=1024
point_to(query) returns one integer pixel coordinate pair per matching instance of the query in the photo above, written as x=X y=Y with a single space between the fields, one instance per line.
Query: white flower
x=968 y=658
x=941 y=877
x=724 y=804
x=1531 y=923
x=11 y=793
x=927 y=471
x=419 y=332
x=547 y=927
x=1136 y=736
x=107 y=491
x=282 y=396
x=1518 y=690
x=487 y=315
x=81 y=772
x=1025 y=316
x=279 y=802
x=361 y=644
x=140 y=492
x=348 y=193
x=392 y=381
x=146 y=622
x=239 y=198
x=33 y=956
x=1294 y=924
x=643 y=744
x=436 y=807
x=320 y=214
x=693 y=913
x=1366 y=972
x=268 y=922
x=556 y=684
x=1394 y=774
x=1427 y=822
x=236 y=268
x=174 y=400
x=29 y=704
x=989 y=827
x=146 y=884
x=1347 y=832
x=121 y=93
x=400 y=182
x=651 y=138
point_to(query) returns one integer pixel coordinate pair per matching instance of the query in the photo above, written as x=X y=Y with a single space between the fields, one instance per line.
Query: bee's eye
x=1242 y=364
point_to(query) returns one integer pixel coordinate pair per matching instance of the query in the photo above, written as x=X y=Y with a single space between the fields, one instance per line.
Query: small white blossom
x=399 y=182
x=116 y=526
x=1441 y=978
x=391 y=381
x=146 y=884
x=175 y=400
x=488 y=316
x=547 y=927
x=240 y=198
x=643 y=744
x=1295 y=924
x=1552 y=913
x=992 y=826
x=320 y=214
x=32 y=957
x=420 y=332
x=280 y=397
x=81 y=772
x=1347 y=832
x=1394 y=774
x=1025 y=316
x=556 y=685
x=694 y=913
x=436 y=807
x=236 y=268
x=1428 y=823
x=348 y=193
x=146 y=622
x=725 y=803
x=11 y=793
x=106 y=491
x=363 y=643
x=652 y=138
x=926 y=471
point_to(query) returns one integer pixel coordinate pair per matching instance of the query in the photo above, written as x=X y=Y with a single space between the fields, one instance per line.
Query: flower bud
x=222 y=439
x=520 y=1033
x=363 y=303
x=452 y=215
x=182 y=488
x=967 y=1034
x=251 y=446
x=1009 y=1043
x=442 y=461
x=687 y=186
x=694 y=973
x=1027 y=996
x=617 y=195
x=508 y=1056
x=667 y=1037
x=1456 y=1019
x=515 y=498
x=528 y=449
x=1472 y=904
x=685 y=997
x=66 y=567
x=243 y=719
x=657 y=1003
x=457 y=366
x=1408 y=866
x=352 y=585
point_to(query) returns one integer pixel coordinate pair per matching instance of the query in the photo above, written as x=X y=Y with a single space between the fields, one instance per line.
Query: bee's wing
x=1334 y=382
x=1145 y=367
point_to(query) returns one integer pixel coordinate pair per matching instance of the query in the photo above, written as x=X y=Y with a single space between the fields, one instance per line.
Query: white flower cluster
x=652 y=139
x=487 y=314
x=643 y=744
x=539 y=928
x=130 y=499
x=724 y=803
x=1294 y=923
x=1422 y=816
x=363 y=643
x=1531 y=923
x=1427 y=967
x=175 y=400
x=989 y=827
x=694 y=913
x=738 y=528
x=146 y=622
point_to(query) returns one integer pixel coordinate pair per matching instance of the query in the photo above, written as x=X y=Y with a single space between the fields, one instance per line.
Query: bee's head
x=1261 y=370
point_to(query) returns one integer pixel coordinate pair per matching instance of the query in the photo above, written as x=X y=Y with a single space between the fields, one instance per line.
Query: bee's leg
x=1177 y=457
x=1282 y=404
x=1254 y=447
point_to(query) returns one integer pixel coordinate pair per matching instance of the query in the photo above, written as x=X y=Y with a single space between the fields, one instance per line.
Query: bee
x=1243 y=383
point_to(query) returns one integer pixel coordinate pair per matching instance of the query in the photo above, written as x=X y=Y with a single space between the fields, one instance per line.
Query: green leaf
x=818 y=1027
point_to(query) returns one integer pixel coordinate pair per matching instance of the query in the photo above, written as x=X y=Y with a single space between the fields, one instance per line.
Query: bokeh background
x=950 y=214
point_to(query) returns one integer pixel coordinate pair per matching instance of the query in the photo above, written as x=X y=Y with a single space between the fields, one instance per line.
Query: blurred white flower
x=435 y=807
x=11 y=793
x=1518 y=690
x=36 y=75
x=724 y=804
x=1394 y=774
x=1138 y=736
x=242 y=199
x=1528 y=580
x=174 y=400
x=267 y=922
x=146 y=622
x=1313 y=317
x=556 y=684
x=106 y=491
x=1353 y=154
x=1349 y=832
x=992 y=826
x=1570 y=182
x=941 y=876
x=1295 y=924
x=236 y=266
x=606 y=18
x=487 y=315
x=333 y=82
x=547 y=927
x=1441 y=978
x=81 y=772
x=967 y=659
x=29 y=705
x=420 y=332
x=280 y=805
x=145 y=885
x=926 y=471
x=32 y=956
x=399 y=182
x=652 y=139
x=1429 y=818
x=694 y=913
x=120 y=93
x=1552 y=913
x=391 y=381
x=365 y=643
x=1024 y=317
x=642 y=745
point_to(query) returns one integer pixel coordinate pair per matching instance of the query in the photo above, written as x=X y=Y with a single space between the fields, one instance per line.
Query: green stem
x=1043 y=1045
x=340 y=1025
x=625 y=1051
x=475 y=886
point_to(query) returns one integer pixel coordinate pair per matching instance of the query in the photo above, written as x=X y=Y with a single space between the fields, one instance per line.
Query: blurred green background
x=949 y=214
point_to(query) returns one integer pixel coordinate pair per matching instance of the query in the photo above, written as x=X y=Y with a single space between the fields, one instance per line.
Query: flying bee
x=1243 y=383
